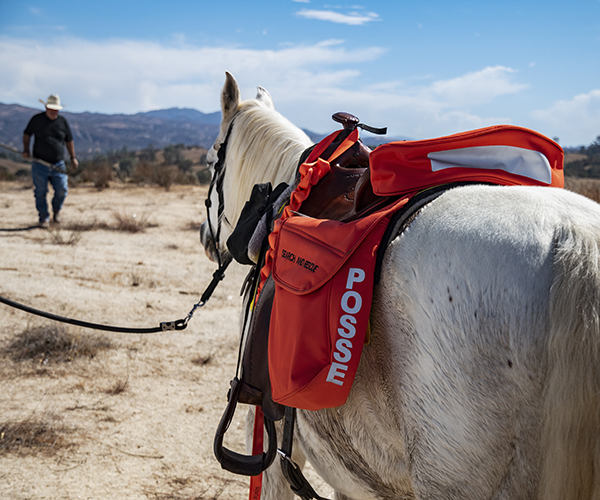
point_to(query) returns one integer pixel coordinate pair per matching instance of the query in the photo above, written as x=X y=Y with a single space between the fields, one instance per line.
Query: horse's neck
x=268 y=159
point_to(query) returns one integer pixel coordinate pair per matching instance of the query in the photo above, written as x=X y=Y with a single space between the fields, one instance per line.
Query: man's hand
x=26 y=154
x=74 y=162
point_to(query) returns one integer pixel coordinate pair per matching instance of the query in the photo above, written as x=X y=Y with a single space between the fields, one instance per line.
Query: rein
x=165 y=326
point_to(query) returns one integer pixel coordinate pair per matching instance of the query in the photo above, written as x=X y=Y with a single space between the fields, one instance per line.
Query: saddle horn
x=350 y=122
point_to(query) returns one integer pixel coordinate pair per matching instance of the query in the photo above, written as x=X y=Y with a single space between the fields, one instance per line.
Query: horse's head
x=255 y=144
x=212 y=228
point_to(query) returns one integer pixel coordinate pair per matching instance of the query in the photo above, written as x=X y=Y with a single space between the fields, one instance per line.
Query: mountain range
x=96 y=133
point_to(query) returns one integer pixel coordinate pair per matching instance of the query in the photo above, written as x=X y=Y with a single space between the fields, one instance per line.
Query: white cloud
x=576 y=122
x=429 y=109
x=128 y=76
x=476 y=88
x=352 y=19
x=301 y=1
x=308 y=82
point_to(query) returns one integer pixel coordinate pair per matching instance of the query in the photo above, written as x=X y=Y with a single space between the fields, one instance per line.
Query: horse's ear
x=230 y=97
x=264 y=97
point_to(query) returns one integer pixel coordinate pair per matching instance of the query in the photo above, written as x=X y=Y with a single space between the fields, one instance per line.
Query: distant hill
x=98 y=133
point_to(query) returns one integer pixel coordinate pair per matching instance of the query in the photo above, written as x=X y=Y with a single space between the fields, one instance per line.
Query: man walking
x=52 y=133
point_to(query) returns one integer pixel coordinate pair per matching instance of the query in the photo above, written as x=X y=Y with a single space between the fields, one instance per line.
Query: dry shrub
x=102 y=176
x=136 y=279
x=166 y=176
x=142 y=173
x=118 y=387
x=82 y=227
x=201 y=360
x=192 y=225
x=58 y=237
x=32 y=436
x=54 y=343
x=586 y=187
x=5 y=175
x=132 y=223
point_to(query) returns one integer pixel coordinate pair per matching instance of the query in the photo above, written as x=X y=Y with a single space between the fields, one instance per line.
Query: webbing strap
x=298 y=483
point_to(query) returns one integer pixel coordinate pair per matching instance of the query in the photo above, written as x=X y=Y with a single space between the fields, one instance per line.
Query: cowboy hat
x=53 y=102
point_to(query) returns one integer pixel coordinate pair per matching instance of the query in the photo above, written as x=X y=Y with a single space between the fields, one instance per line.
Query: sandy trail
x=136 y=421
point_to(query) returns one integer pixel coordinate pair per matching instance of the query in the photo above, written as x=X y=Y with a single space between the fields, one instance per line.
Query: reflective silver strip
x=514 y=160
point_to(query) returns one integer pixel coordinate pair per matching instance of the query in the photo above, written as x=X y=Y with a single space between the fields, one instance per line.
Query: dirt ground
x=135 y=420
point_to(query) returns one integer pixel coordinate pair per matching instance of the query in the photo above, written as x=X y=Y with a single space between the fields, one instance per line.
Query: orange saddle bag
x=324 y=270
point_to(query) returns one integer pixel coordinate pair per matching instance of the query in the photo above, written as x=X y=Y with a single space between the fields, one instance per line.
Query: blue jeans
x=59 y=180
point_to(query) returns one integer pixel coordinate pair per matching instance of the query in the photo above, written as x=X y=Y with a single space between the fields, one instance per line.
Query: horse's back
x=462 y=320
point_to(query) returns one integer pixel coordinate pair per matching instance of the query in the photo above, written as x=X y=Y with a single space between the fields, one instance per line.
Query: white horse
x=482 y=377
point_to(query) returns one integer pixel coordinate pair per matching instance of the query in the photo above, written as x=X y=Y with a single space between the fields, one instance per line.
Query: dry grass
x=32 y=436
x=186 y=488
x=102 y=176
x=201 y=360
x=139 y=419
x=82 y=227
x=119 y=387
x=132 y=223
x=57 y=236
x=586 y=187
x=54 y=343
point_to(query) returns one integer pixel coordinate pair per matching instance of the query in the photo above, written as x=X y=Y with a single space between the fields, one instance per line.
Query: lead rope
x=165 y=326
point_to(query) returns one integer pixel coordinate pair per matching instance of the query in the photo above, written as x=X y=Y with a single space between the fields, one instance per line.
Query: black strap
x=165 y=326
x=298 y=483
x=217 y=183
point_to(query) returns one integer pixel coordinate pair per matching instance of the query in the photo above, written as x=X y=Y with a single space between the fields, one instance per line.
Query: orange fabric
x=311 y=172
x=324 y=273
x=400 y=167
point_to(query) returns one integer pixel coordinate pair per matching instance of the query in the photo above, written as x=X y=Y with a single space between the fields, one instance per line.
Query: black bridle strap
x=165 y=326
x=217 y=183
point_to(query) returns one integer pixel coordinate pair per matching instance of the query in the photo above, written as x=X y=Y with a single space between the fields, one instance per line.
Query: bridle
x=216 y=183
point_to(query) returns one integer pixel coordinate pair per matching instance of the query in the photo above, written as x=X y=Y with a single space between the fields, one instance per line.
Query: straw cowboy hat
x=53 y=102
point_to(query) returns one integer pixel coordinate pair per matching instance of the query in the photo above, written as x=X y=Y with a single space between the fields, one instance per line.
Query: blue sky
x=423 y=69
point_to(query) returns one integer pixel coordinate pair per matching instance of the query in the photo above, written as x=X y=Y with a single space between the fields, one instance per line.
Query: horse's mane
x=263 y=147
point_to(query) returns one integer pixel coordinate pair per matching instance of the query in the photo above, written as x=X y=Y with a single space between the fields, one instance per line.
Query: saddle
x=344 y=193
x=327 y=235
